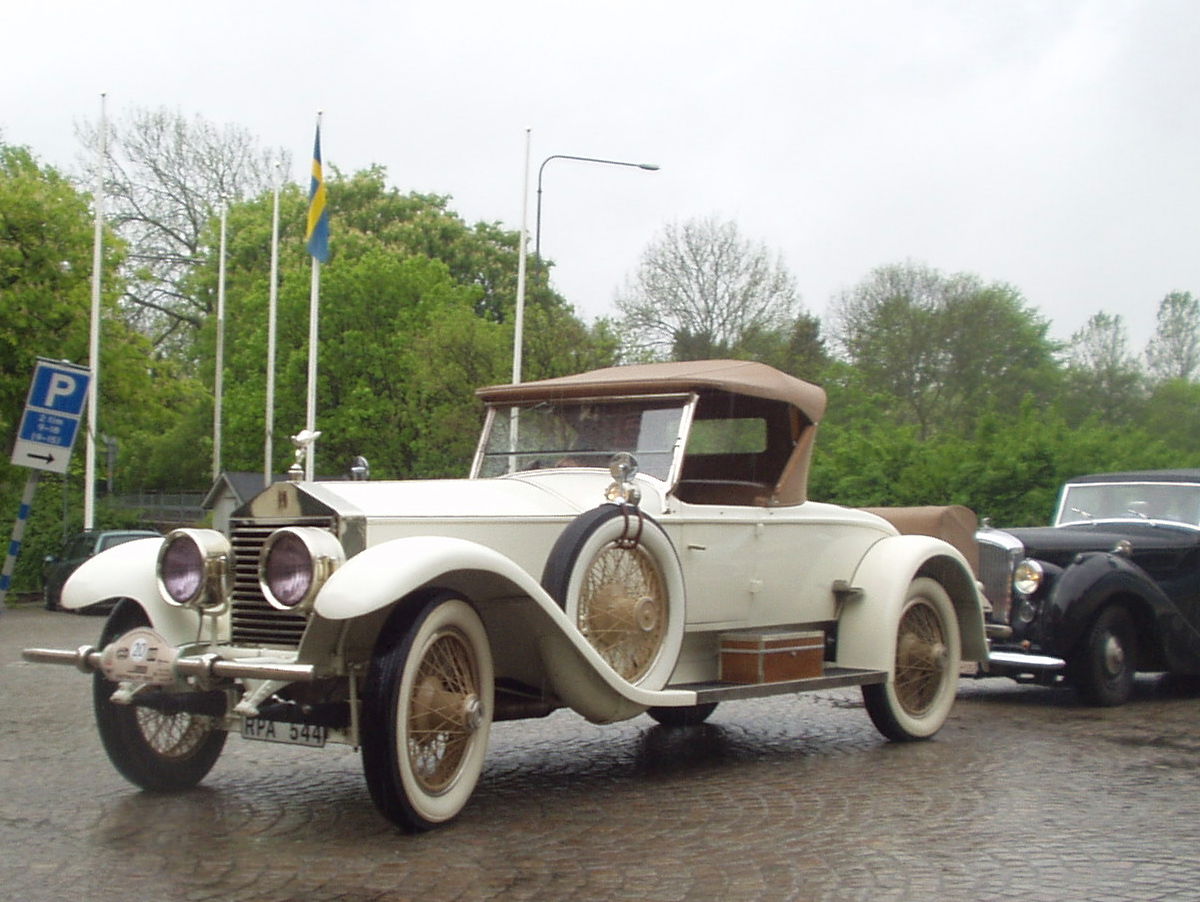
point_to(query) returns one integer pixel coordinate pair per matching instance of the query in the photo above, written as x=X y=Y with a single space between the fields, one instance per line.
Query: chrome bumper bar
x=1020 y=661
x=87 y=659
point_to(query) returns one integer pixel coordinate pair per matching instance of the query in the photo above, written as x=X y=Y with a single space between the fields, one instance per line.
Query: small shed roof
x=243 y=486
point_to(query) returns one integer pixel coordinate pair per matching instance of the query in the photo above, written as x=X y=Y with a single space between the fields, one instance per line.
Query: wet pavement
x=1023 y=795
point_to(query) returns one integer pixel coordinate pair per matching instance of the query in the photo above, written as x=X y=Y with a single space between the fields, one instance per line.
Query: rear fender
x=867 y=626
x=510 y=602
x=130 y=570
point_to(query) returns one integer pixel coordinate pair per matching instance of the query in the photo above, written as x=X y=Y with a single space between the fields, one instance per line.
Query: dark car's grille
x=995 y=572
x=255 y=620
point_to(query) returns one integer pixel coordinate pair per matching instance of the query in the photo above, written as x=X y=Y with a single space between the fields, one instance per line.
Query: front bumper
x=88 y=659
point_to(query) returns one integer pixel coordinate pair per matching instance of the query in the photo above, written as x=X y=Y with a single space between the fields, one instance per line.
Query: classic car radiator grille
x=995 y=572
x=255 y=620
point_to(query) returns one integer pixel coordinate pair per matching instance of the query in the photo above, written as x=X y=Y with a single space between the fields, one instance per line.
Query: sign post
x=45 y=438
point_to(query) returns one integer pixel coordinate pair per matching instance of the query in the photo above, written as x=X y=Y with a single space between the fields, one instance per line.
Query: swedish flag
x=317 y=233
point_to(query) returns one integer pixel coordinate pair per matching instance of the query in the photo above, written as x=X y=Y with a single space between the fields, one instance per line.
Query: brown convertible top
x=788 y=485
x=742 y=377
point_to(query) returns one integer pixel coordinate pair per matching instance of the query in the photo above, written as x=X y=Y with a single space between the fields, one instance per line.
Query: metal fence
x=176 y=508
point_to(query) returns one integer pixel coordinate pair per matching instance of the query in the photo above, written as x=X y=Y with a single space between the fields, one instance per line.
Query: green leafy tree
x=46 y=248
x=411 y=321
x=1172 y=415
x=942 y=348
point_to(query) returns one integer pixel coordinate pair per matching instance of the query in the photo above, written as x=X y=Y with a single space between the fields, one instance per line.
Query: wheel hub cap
x=1114 y=656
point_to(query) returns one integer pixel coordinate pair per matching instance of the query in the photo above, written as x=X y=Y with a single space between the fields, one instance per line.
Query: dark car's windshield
x=1162 y=501
x=583 y=434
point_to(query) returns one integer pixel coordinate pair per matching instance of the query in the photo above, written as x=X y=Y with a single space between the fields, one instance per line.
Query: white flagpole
x=89 y=477
x=519 y=327
x=310 y=421
x=514 y=424
x=219 y=376
x=272 y=308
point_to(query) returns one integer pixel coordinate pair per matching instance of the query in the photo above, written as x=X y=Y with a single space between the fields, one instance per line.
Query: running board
x=832 y=678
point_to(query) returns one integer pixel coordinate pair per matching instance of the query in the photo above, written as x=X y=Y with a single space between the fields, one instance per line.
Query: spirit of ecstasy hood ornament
x=303 y=440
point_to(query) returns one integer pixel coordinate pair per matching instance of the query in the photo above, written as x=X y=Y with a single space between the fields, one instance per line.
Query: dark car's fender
x=1096 y=579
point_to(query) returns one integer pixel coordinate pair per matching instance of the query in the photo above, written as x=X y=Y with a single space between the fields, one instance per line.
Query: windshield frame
x=686 y=402
x=1074 y=514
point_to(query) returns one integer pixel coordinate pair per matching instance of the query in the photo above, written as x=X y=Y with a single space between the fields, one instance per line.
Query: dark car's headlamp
x=1028 y=576
x=295 y=562
x=194 y=569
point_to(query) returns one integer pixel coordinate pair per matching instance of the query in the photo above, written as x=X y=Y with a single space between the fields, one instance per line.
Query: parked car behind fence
x=83 y=546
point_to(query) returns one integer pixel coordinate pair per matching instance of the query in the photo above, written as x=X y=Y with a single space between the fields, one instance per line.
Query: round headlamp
x=194 y=569
x=623 y=466
x=295 y=562
x=1028 y=576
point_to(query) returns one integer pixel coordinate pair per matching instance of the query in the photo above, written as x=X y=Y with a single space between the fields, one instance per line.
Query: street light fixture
x=537 y=241
x=518 y=334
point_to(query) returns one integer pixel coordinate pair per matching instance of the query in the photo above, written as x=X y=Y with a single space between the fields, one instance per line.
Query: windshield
x=1172 y=502
x=582 y=434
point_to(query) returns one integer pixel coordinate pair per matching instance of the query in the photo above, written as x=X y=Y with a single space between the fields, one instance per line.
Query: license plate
x=287 y=733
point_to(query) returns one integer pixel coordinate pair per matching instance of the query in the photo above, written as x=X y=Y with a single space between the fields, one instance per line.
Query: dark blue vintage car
x=1110 y=589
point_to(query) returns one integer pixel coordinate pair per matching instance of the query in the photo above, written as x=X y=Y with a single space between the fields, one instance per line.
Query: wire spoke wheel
x=427 y=711
x=173 y=735
x=916 y=700
x=623 y=609
x=444 y=711
x=152 y=742
x=617 y=577
x=921 y=658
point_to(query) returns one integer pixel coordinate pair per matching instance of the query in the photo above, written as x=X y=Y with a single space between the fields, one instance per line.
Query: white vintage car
x=630 y=540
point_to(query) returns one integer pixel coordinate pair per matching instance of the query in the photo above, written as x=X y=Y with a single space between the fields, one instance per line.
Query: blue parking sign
x=50 y=422
x=58 y=388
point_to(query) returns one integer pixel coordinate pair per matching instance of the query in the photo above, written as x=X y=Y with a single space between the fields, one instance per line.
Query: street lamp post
x=537 y=245
x=537 y=241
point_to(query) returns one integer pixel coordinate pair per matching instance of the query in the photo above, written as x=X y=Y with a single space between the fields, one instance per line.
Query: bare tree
x=1174 y=351
x=702 y=289
x=167 y=178
x=1101 y=368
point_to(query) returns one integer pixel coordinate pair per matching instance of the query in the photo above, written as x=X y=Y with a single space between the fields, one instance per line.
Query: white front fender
x=385 y=573
x=868 y=624
x=129 y=570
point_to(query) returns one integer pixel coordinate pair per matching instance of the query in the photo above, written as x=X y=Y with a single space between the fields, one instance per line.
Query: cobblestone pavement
x=1023 y=795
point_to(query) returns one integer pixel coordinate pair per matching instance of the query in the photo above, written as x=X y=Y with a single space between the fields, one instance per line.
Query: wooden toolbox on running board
x=771 y=656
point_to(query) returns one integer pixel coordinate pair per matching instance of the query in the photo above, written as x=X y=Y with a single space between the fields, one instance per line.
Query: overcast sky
x=1049 y=144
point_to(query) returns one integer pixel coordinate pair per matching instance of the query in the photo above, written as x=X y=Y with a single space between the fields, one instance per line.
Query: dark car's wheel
x=916 y=700
x=682 y=717
x=616 y=575
x=157 y=748
x=1104 y=666
x=427 y=713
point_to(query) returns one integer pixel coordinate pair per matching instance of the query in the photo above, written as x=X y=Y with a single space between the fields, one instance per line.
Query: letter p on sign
x=62 y=385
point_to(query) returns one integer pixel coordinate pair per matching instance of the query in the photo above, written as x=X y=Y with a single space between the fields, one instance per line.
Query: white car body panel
x=129 y=571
